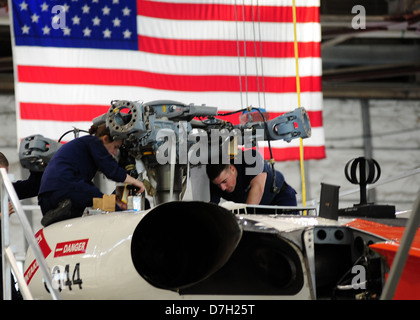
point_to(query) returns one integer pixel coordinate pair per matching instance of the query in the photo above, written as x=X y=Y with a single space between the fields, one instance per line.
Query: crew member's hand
x=121 y=204
x=141 y=187
x=137 y=183
x=11 y=210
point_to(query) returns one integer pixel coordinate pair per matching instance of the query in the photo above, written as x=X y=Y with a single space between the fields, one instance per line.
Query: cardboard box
x=106 y=203
x=97 y=203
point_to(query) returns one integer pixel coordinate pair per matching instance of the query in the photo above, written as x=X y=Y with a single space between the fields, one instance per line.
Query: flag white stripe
x=227 y=30
x=157 y=63
x=103 y=95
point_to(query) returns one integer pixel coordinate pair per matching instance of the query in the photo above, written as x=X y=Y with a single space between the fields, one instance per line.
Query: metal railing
x=402 y=253
x=8 y=193
x=343 y=193
x=382 y=182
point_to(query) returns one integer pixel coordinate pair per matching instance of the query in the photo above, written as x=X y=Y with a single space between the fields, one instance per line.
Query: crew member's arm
x=256 y=191
x=214 y=193
x=30 y=187
x=130 y=180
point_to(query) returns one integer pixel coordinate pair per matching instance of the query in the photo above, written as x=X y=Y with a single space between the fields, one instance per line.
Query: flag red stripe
x=293 y=153
x=60 y=112
x=192 y=83
x=225 y=12
x=80 y=112
x=227 y=48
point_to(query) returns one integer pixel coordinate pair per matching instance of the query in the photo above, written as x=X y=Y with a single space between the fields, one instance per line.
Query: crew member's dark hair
x=100 y=131
x=214 y=170
x=4 y=163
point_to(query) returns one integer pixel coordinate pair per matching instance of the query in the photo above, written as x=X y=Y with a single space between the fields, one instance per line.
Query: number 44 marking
x=61 y=277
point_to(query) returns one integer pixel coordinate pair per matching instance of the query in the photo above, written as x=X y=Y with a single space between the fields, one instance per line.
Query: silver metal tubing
x=27 y=230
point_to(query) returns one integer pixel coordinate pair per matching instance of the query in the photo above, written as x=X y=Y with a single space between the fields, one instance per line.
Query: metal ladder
x=8 y=193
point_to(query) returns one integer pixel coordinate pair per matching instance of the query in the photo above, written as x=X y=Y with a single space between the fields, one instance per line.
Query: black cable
x=233 y=112
x=73 y=130
x=274 y=188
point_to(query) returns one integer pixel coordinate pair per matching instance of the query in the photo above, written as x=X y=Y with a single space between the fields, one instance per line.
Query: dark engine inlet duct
x=178 y=244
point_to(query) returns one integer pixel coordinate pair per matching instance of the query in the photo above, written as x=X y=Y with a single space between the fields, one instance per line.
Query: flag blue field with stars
x=95 y=24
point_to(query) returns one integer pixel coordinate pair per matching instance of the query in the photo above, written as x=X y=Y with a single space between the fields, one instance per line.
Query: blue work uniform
x=70 y=172
x=247 y=172
x=30 y=187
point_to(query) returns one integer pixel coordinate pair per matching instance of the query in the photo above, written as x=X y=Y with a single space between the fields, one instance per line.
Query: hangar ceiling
x=380 y=61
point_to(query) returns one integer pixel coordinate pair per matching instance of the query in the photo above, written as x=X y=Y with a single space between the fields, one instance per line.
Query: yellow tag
x=233 y=147
x=124 y=196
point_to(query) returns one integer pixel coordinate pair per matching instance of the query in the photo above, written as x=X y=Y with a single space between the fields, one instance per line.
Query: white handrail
x=11 y=195
x=24 y=290
x=375 y=185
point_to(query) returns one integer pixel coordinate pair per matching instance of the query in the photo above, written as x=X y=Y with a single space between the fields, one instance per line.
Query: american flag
x=73 y=57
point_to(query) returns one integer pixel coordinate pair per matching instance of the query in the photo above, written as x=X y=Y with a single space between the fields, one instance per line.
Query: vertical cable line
x=261 y=54
x=255 y=53
x=301 y=156
x=239 y=56
x=245 y=67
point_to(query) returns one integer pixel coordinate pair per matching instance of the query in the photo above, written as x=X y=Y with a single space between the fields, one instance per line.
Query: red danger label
x=70 y=248
x=42 y=243
x=29 y=273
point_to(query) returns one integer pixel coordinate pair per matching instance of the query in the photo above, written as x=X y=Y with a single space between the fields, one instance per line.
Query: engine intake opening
x=178 y=244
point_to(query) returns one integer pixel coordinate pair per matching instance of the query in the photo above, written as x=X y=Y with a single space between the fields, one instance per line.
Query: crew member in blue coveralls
x=67 y=187
x=249 y=182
